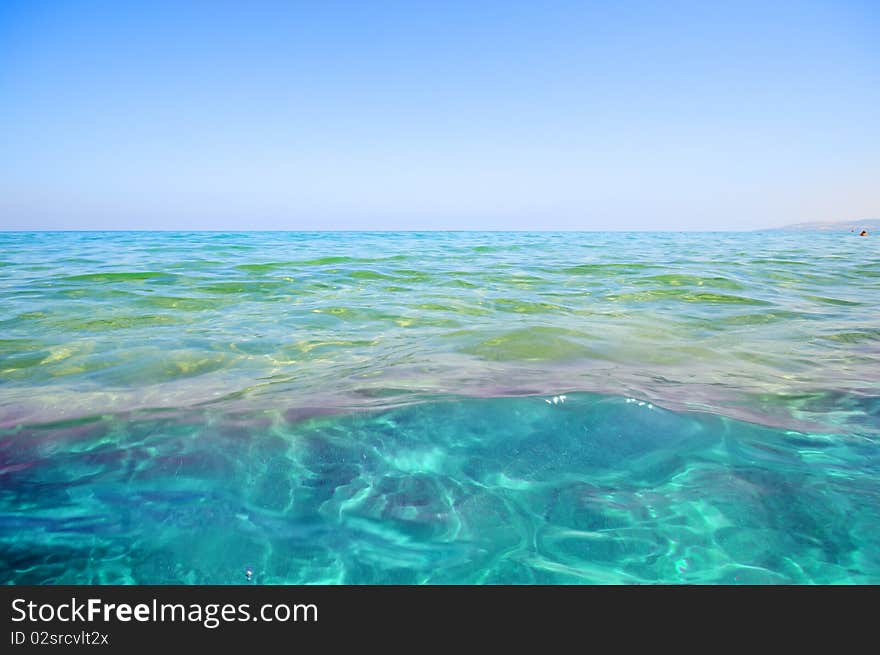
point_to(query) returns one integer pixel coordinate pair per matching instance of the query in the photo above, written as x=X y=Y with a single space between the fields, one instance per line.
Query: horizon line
x=783 y=228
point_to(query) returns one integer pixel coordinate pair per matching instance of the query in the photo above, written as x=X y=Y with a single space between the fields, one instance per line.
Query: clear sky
x=438 y=115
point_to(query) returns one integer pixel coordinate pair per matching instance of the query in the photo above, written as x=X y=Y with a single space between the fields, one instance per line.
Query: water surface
x=379 y=407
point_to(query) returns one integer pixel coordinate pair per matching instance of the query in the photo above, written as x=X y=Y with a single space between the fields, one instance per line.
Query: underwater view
x=439 y=407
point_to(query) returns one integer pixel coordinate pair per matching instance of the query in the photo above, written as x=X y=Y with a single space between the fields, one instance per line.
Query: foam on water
x=379 y=408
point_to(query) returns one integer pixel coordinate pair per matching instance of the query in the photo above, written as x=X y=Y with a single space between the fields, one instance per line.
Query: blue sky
x=437 y=115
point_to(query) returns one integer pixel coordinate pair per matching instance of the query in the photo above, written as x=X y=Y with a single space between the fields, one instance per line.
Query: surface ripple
x=439 y=407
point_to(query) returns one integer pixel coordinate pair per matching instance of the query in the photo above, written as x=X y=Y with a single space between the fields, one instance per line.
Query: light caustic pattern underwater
x=182 y=408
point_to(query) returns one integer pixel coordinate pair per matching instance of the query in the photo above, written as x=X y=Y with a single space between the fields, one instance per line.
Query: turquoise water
x=439 y=407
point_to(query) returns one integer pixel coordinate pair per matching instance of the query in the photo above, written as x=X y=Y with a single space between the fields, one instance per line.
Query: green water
x=379 y=408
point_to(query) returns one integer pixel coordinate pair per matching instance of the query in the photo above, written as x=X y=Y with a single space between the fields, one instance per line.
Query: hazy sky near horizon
x=438 y=115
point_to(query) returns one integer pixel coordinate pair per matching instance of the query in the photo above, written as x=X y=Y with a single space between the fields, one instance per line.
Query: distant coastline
x=870 y=224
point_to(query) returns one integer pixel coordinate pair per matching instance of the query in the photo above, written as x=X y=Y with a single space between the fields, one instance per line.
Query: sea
x=439 y=408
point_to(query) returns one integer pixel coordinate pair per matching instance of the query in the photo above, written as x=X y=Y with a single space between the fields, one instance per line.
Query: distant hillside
x=870 y=224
